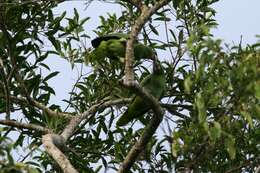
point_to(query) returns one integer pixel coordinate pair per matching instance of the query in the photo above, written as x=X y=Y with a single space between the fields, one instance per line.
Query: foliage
x=7 y=162
x=211 y=102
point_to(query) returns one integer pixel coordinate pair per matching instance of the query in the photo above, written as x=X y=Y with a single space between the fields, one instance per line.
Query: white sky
x=236 y=18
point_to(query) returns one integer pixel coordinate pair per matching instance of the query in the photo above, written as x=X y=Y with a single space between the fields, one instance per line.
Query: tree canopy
x=206 y=119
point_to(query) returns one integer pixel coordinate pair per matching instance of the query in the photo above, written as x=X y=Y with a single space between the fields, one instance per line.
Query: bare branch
x=30 y=126
x=57 y=155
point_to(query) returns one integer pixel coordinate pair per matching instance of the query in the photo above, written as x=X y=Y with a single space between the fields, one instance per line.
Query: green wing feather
x=115 y=48
x=154 y=84
x=143 y=52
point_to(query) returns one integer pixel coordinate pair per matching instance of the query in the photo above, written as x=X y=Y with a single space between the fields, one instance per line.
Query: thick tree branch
x=146 y=13
x=53 y=143
x=148 y=132
x=30 y=126
x=48 y=141
x=244 y=164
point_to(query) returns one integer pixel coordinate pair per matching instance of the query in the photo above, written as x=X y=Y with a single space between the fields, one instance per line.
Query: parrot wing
x=154 y=84
x=137 y=108
x=143 y=52
x=115 y=48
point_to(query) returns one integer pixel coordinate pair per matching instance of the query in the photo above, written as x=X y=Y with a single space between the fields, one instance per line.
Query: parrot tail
x=124 y=119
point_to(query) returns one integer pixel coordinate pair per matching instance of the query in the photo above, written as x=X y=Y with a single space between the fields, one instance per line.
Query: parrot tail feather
x=124 y=119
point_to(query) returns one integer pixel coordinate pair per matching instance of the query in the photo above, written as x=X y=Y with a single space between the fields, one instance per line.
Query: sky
x=236 y=18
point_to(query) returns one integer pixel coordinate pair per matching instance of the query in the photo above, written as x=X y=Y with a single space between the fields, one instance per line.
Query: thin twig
x=75 y=121
x=6 y=90
x=29 y=126
x=42 y=107
x=167 y=38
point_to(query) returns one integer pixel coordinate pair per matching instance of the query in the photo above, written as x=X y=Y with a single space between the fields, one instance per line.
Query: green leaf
x=215 y=131
x=154 y=30
x=50 y=76
x=257 y=89
x=55 y=43
x=247 y=117
x=188 y=84
x=33 y=170
x=173 y=35
x=76 y=14
x=83 y=88
x=256 y=112
x=98 y=169
x=230 y=146
x=167 y=19
x=84 y=20
x=48 y=89
x=200 y=104
x=180 y=37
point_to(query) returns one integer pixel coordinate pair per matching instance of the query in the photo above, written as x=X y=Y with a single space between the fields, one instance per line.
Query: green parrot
x=154 y=84
x=113 y=46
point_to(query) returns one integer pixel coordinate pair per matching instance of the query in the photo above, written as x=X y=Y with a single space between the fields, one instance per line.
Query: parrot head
x=117 y=36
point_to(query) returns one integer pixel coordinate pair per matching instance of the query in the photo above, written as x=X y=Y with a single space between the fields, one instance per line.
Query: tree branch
x=148 y=131
x=48 y=141
x=30 y=126
x=146 y=13
x=75 y=121
x=244 y=164
x=6 y=89
x=42 y=107
x=53 y=143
